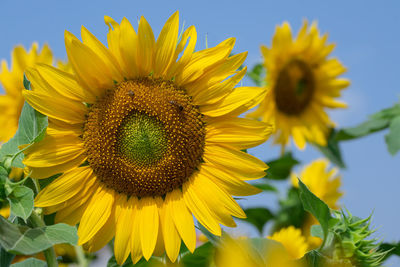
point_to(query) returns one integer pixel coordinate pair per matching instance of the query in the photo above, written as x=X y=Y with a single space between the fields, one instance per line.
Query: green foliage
x=350 y=242
x=317 y=208
x=290 y=211
x=31 y=262
x=332 y=150
x=257 y=75
x=258 y=217
x=393 y=137
x=280 y=168
x=24 y=240
x=21 y=201
x=376 y=122
x=31 y=129
x=392 y=249
x=112 y=262
x=266 y=187
x=200 y=258
x=5 y=257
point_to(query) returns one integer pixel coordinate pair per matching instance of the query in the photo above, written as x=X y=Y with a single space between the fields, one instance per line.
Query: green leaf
x=31 y=262
x=365 y=128
x=393 y=137
x=258 y=217
x=257 y=75
x=5 y=257
x=313 y=259
x=279 y=169
x=3 y=180
x=316 y=230
x=331 y=150
x=31 y=129
x=24 y=240
x=266 y=187
x=375 y=122
x=21 y=202
x=393 y=249
x=316 y=207
x=112 y=262
x=200 y=258
x=290 y=211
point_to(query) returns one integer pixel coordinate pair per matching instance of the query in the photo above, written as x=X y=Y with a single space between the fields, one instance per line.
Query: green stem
x=49 y=253
x=83 y=262
x=37 y=185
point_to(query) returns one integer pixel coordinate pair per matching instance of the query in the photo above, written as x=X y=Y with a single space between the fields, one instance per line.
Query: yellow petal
x=65 y=84
x=200 y=209
x=124 y=228
x=239 y=101
x=92 y=72
x=136 y=247
x=182 y=217
x=103 y=236
x=52 y=151
x=75 y=207
x=238 y=132
x=204 y=59
x=102 y=52
x=172 y=240
x=166 y=45
x=149 y=223
x=231 y=183
x=146 y=45
x=128 y=42
x=57 y=108
x=235 y=160
x=64 y=187
x=96 y=214
x=191 y=35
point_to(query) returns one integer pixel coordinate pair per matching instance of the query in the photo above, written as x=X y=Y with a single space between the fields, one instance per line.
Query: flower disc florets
x=294 y=87
x=145 y=138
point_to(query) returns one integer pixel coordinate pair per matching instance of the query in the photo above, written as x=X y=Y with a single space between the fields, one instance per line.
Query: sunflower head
x=12 y=81
x=303 y=81
x=146 y=134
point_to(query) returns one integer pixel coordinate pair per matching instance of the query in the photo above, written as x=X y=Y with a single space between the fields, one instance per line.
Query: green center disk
x=142 y=139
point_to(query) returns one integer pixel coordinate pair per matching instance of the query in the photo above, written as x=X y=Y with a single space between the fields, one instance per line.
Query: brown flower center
x=294 y=87
x=145 y=138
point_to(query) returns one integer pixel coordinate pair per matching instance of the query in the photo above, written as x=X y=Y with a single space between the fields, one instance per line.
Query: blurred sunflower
x=293 y=241
x=243 y=252
x=12 y=81
x=324 y=183
x=303 y=81
x=146 y=134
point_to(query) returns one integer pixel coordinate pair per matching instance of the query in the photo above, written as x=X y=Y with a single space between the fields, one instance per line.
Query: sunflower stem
x=80 y=254
x=49 y=253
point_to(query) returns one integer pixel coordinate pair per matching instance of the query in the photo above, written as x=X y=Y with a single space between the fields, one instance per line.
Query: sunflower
x=12 y=81
x=325 y=184
x=293 y=241
x=147 y=134
x=303 y=81
x=246 y=252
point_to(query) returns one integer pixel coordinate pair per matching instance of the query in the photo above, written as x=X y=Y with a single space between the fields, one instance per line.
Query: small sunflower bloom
x=147 y=135
x=243 y=252
x=293 y=241
x=325 y=184
x=11 y=79
x=302 y=82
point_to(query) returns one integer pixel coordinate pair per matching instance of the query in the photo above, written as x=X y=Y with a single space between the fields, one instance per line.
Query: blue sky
x=368 y=43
